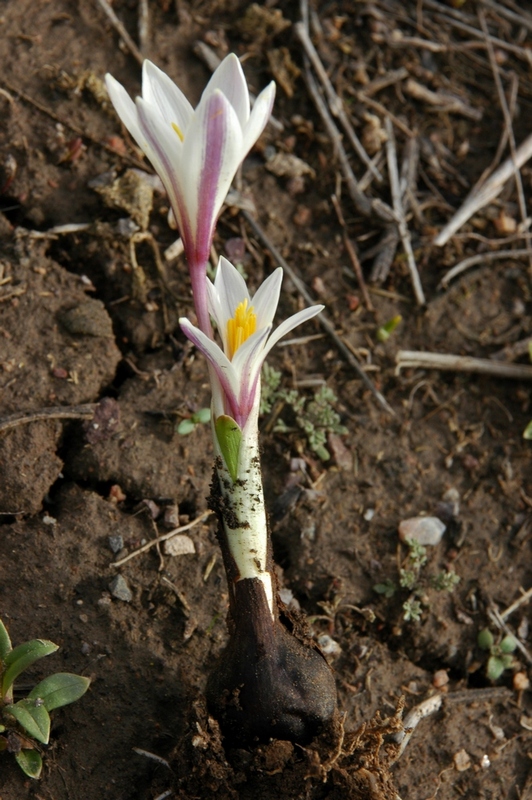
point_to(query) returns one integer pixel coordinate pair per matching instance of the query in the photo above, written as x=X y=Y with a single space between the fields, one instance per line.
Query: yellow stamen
x=240 y=327
x=177 y=129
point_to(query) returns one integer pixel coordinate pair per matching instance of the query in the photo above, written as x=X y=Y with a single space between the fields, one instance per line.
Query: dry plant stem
x=119 y=28
x=523 y=18
x=162 y=538
x=454 y=18
x=144 y=26
x=413 y=718
x=324 y=321
x=351 y=252
x=404 y=233
x=525 y=597
x=56 y=412
x=472 y=261
x=512 y=351
x=507 y=123
x=443 y=101
x=335 y=103
x=491 y=189
x=497 y=619
x=452 y=363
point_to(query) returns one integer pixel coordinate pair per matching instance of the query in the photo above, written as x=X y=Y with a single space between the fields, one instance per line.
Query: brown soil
x=81 y=320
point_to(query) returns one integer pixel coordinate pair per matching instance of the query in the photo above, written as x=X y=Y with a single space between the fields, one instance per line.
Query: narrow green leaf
x=527 y=433
x=33 y=717
x=5 y=641
x=229 y=437
x=30 y=762
x=59 y=690
x=22 y=657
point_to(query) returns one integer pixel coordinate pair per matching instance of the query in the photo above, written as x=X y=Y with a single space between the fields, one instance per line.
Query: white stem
x=245 y=518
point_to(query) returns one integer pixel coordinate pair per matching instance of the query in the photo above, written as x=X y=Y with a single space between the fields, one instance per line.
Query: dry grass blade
x=124 y=35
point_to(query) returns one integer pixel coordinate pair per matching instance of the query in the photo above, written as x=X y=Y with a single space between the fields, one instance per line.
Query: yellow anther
x=177 y=129
x=240 y=327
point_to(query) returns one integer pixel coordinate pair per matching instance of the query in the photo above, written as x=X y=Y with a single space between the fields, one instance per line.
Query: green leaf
x=527 y=433
x=508 y=644
x=30 y=762
x=185 y=427
x=229 y=438
x=33 y=717
x=5 y=641
x=495 y=667
x=59 y=690
x=203 y=416
x=485 y=639
x=23 y=656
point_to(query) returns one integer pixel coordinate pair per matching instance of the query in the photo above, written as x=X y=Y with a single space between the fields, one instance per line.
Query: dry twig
x=55 y=412
x=453 y=363
x=162 y=538
x=481 y=258
x=324 y=321
x=119 y=28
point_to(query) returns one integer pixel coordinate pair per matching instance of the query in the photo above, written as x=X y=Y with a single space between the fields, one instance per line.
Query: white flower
x=195 y=152
x=245 y=326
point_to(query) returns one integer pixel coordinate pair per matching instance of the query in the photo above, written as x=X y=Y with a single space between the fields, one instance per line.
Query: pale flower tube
x=196 y=153
x=244 y=324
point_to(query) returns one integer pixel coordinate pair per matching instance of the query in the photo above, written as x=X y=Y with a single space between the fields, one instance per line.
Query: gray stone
x=119 y=589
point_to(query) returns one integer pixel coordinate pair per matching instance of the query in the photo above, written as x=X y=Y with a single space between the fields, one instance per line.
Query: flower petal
x=214 y=354
x=125 y=108
x=289 y=325
x=260 y=114
x=212 y=152
x=160 y=91
x=165 y=150
x=231 y=287
x=229 y=78
x=266 y=298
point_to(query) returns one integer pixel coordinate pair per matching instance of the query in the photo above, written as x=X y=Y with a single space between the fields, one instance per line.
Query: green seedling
x=386 y=330
x=500 y=657
x=410 y=578
x=315 y=417
x=25 y=723
x=189 y=424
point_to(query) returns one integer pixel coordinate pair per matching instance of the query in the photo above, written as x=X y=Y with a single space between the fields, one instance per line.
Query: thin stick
x=512 y=351
x=55 y=412
x=453 y=363
x=404 y=233
x=525 y=597
x=412 y=720
x=351 y=252
x=335 y=103
x=124 y=35
x=324 y=321
x=478 y=198
x=162 y=538
x=144 y=26
x=479 y=259
x=495 y=617
x=507 y=122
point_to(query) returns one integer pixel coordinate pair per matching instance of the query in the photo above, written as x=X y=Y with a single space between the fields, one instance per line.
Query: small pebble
x=116 y=543
x=105 y=600
x=49 y=520
x=329 y=646
x=369 y=513
x=179 y=545
x=85 y=648
x=119 y=589
x=288 y=598
x=426 y=531
x=440 y=679
x=462 y=760
x=83 y=618
x=521 y=682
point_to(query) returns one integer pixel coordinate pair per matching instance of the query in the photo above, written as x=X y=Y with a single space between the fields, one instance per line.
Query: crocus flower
x=245 y=326
x=195 y=152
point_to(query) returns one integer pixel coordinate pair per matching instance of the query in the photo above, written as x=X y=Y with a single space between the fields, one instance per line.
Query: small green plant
x=386 y=330
x=315 y=416
x=500 y=657
x=188 y=424
x=410 y=578
x=26 y=722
